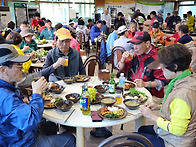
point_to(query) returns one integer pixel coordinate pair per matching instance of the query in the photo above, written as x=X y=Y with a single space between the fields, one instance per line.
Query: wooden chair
x=91 y=63
x=121 y=140
x=118 y=50
x=81 y=40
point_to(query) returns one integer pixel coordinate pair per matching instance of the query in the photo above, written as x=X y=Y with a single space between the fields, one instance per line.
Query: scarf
x=172 y=82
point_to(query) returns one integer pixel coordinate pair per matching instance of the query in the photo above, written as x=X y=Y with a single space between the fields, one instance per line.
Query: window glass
x=187 y=3
x=185 y=9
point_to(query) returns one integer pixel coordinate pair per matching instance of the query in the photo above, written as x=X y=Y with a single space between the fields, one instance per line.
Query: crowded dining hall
x=98 y=73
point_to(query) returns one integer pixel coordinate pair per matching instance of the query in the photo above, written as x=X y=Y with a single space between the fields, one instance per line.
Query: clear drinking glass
x=66 y=60
x=118 y=96
x=130 y=57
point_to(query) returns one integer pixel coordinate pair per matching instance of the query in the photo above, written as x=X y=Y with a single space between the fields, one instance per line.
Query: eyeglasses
x=17 y=66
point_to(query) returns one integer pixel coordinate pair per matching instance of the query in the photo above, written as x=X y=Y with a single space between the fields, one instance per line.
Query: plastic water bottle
x=122 y=81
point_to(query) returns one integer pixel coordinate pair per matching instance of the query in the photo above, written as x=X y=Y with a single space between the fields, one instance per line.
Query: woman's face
x=28 y=38
x=132 y=28
x=167 y=73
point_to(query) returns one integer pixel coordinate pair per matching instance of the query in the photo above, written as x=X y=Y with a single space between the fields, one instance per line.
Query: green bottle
x=112 y=84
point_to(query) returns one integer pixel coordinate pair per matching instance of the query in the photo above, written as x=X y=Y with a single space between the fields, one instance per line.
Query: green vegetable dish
x=134 y=92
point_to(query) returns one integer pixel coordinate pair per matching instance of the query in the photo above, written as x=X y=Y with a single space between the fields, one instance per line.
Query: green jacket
x=46 y=35
x=32 y=46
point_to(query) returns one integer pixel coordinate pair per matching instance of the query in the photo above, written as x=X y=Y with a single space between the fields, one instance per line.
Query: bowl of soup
x=108 y=101
x=132 y=104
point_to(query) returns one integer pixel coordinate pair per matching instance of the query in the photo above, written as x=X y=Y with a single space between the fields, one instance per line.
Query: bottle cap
x=122 y=74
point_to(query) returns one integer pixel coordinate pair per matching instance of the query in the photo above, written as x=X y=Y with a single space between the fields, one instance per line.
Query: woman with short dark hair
x=176 y=125
x=17 y=39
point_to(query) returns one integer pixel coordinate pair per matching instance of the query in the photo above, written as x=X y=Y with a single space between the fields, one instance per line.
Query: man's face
x=48 y=25
x=23 y=26
x=72 y=24
x=37 y=18
x=152 y=16
x=137 y=18
x=64 y=45
x=177 y=26
x=126 y=34
x=140 y=48
x=155 y=30
x=106 y=12
x=188 y=15
x=15 y=72
x=99 y=25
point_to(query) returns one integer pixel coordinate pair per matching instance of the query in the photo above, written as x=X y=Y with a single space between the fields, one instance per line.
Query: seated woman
x=55 y=66
x=17 y=39
x=82 y=28
x=132 y=30
x=176 y=124
x=156 y=34
x=28 y=45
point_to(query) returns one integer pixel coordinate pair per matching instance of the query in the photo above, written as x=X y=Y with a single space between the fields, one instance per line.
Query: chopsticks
x=69 y=115
x=143 y=72
x=133 y=73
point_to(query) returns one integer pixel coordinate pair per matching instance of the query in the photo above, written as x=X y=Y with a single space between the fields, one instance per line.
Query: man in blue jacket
x=19 y=121
x=95 y=31
x=55 y=67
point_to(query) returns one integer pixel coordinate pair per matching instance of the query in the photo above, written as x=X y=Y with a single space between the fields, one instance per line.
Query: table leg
x=139 y=122
x=80 y=137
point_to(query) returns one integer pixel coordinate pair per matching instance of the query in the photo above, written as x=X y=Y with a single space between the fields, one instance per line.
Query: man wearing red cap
x=144 y=54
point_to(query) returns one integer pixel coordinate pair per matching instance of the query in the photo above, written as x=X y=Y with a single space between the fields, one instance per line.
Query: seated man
x=145 y=53
x=176 y=36
x=95 y=31
x=54 y=65
x=20 y=121
x=110 y=43
x=184 y=37
x=157 y=36
x=48 y=32
x=122 y=41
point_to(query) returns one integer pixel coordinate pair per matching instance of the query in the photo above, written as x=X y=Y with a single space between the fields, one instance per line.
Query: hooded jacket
x=139 y=65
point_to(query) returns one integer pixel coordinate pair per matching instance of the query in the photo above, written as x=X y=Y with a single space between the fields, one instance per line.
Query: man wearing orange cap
x=56 y=66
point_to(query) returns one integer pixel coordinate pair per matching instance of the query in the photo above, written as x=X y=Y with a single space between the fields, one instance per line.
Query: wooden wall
x=99 y=3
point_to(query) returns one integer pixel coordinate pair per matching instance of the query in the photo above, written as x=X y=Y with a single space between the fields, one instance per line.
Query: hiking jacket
x=19 y=121
x=139 y=65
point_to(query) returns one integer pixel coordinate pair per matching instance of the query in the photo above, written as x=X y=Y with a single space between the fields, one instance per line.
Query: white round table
x=80 y=121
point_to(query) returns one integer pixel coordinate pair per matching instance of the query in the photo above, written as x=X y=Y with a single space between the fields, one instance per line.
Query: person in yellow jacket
x=191 y=21
x=157 y=36
x=17 y=39
x=175 y=126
